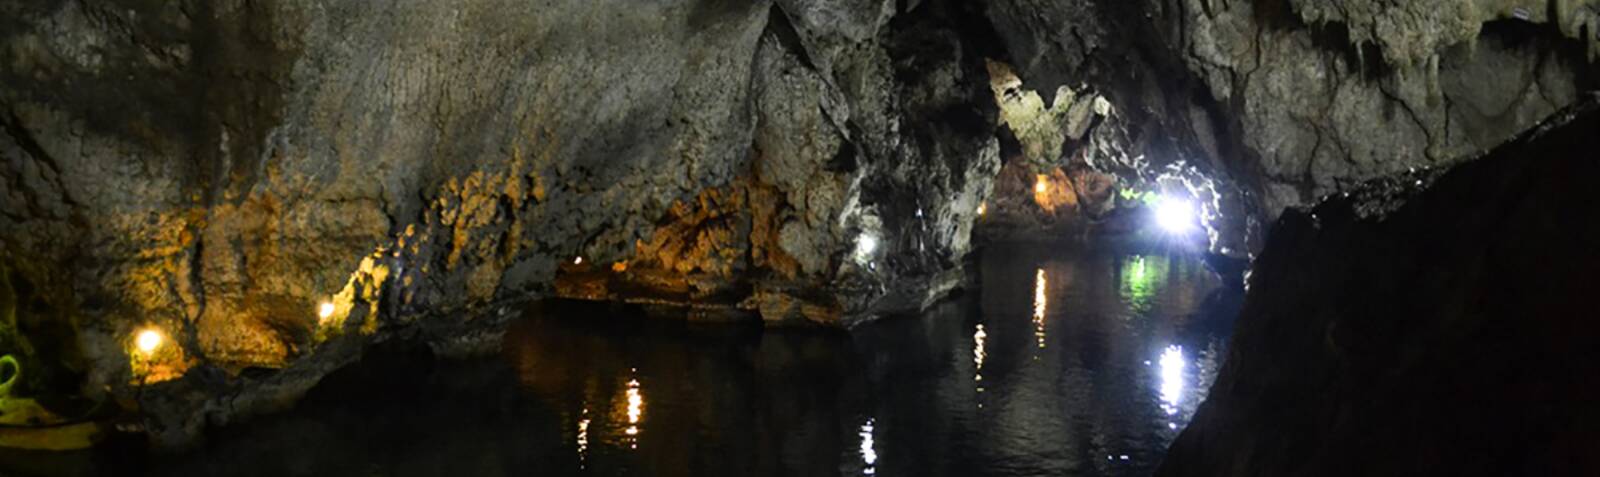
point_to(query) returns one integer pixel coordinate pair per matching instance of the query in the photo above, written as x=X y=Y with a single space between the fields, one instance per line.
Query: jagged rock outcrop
x=1340 y=92
x=272 y=185
x=1284 y=101
x=1421 y=326
x=218 y=171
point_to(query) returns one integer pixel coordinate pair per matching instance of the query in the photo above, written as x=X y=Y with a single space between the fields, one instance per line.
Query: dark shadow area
x=1449 y=331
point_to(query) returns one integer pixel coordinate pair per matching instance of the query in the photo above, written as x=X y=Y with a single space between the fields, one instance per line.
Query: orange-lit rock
x=220 y=173
x=1054 y=191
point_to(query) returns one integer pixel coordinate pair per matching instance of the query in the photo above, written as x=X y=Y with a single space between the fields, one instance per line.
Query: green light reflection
x=1140 y=277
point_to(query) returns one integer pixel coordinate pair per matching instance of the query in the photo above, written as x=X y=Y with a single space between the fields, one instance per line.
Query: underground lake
x=1064 y=361
x=894 y=238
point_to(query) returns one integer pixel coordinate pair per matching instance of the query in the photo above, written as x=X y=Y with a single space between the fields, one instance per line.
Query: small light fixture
x=1176 y=216
x=983 y=207
x=866 y=245
x=147 y=341
x=1041 y=184
x=325 y=311
x=577 y=260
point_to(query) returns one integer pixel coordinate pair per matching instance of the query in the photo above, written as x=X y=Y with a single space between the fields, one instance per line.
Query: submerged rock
x=1449 y=333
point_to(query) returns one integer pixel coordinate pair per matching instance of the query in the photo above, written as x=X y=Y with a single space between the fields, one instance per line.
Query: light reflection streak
x=635 y=409
x=869 y=455
x=1172 y=364
x=979 y=337
x=978 y=352
x=1039 y=304
x=583 y=437
x=1140 y=277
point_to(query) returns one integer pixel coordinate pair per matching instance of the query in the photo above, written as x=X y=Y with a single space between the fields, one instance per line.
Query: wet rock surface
x=1332 y=93
x=1283 y=102
x=218 y=170
x=273 y=186
x=1410 y=331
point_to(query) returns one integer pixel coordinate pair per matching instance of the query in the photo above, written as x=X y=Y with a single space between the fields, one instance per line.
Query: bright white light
x=577 y=260
x=1176 y=216
x=1172 y=364
x=324 y=311
x=148 y=341
x=866 y=245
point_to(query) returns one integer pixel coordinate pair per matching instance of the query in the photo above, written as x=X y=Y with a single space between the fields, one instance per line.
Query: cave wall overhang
x=272 y=186
x=226 y=171
x=1284 y=102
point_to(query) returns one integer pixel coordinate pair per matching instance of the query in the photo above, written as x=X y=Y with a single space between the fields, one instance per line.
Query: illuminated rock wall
x=218 y=170
x=1286 y=101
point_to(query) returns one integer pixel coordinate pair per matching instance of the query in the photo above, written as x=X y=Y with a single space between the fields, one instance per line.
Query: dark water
x=1062 y=363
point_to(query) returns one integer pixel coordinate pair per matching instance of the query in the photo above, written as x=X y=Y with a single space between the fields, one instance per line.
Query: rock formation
x=217 y=171
x=271 y=186
x=1435 y=325
x=1282 y=102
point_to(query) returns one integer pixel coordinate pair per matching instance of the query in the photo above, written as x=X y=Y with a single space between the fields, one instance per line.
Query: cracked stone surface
x=1289 y=101
x=217 y=170
x=1342 y=92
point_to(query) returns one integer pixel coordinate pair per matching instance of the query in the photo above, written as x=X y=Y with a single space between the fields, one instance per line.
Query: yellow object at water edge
x=24 y=424
x=64 y=437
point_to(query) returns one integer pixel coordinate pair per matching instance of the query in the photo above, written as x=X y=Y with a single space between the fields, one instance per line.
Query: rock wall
x=1329 y=93
x=271 y=185
x=1427 y=325
x=264 y=182
x=1285 y=101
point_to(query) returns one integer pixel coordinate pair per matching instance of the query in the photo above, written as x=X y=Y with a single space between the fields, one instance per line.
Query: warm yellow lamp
x=147 y=341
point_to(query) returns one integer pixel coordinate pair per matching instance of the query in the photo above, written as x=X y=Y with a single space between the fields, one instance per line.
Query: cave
x=799 y=237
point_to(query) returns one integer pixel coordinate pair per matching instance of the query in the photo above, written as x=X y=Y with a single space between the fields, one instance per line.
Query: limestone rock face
x=1287 y=101
x=270 y=186
x=1339 y=92
x=1430 y=326
x=218 y=170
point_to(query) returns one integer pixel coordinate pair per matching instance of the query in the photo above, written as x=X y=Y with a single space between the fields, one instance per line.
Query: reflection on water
x=1172 y=365
x=635 y=410
x=978 y=353
x=869 y=455
x=1040 y=301
x=1141 y=277
x=974 y=387
x=583 y=438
